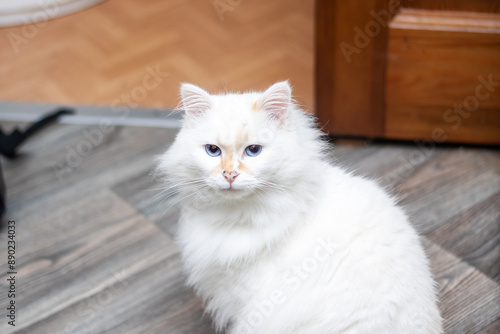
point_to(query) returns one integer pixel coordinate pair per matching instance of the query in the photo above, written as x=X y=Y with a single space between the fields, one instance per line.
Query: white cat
x=278 y=241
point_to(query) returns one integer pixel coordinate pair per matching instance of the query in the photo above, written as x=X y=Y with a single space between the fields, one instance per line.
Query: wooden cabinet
x=409 y=69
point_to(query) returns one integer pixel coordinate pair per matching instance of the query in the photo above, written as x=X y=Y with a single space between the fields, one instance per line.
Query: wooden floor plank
x=147 y=300
x=468 y=298
x=474 y=236
x=388 y=164
x=79 y=251
x=450 y=183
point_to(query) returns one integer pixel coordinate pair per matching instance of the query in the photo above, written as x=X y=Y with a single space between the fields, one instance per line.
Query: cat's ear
x=195 y=101
x=276 y=101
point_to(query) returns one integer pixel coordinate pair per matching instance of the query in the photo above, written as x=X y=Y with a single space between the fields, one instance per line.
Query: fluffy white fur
x=296 y=246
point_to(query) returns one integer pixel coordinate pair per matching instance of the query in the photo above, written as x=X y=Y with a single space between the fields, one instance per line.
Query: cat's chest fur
x=350 y=249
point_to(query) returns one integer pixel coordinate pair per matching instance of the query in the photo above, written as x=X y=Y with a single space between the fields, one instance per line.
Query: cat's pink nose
x=230 y=176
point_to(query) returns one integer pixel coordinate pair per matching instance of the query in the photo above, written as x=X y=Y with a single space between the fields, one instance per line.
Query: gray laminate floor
x=94 y=245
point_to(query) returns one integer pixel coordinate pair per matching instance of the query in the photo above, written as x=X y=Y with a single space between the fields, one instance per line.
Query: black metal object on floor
x=10 y=143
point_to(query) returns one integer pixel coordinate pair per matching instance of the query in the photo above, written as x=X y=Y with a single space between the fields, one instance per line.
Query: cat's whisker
x=267 y=186
x=174 y=188
x=184 y=197
x=167 y=186
x=173 y=191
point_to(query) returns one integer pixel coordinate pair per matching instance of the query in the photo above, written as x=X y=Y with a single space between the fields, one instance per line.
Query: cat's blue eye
x=253 y=150
x=212 y=150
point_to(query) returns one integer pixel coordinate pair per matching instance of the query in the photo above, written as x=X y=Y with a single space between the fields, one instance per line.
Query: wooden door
x=409 y=69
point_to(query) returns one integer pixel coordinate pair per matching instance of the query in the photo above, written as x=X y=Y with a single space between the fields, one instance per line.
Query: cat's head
x=233 y=146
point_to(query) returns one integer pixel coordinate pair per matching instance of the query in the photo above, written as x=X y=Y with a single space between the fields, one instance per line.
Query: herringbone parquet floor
x=104 y=55
x=95 y=251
